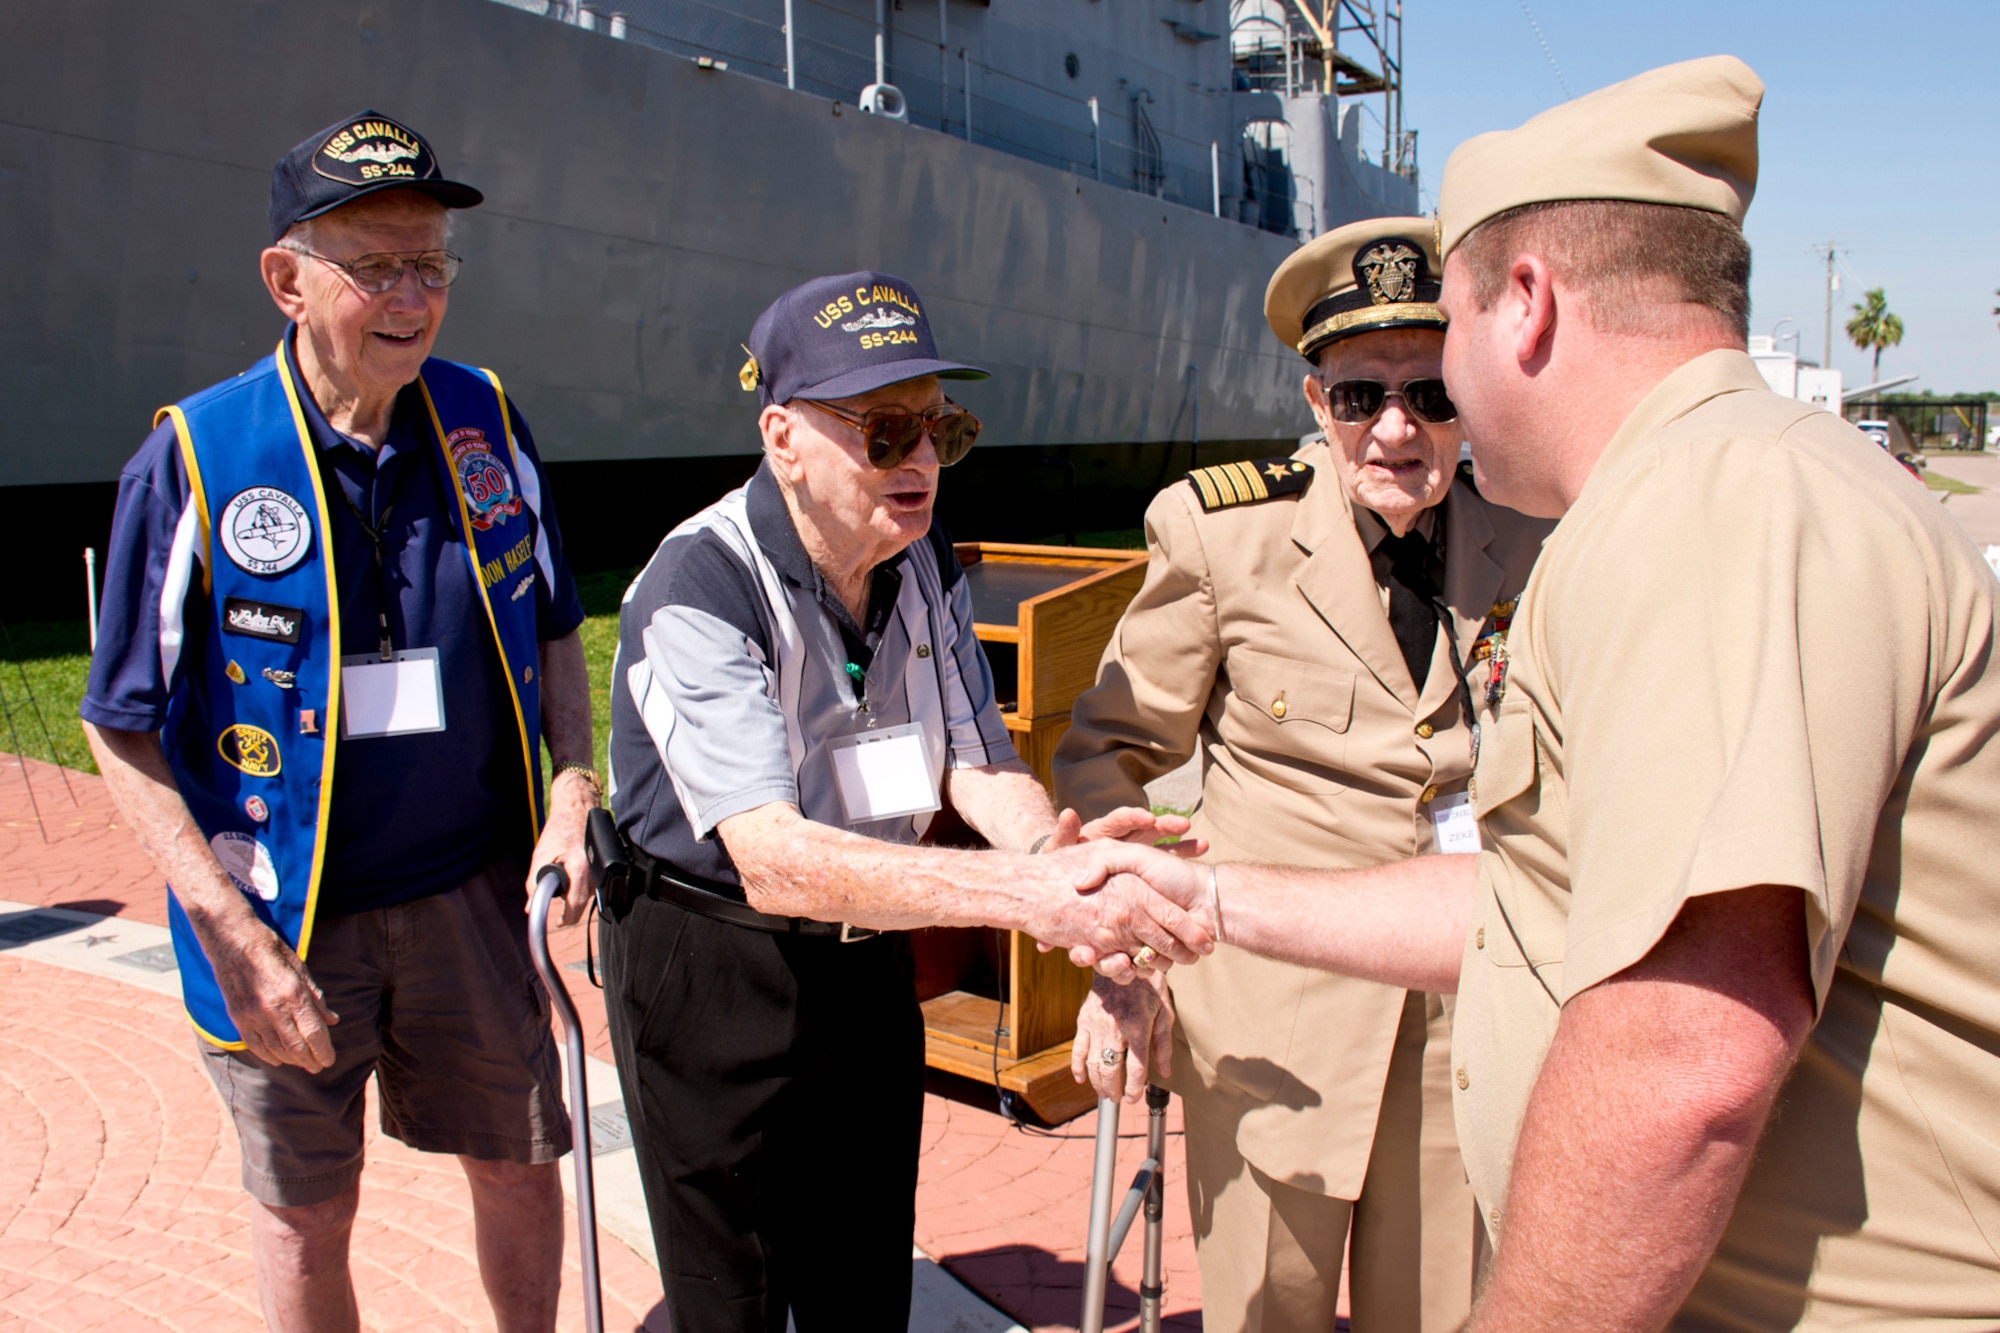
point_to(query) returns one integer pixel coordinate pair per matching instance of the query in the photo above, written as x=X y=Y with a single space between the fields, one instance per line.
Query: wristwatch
x=585 y=770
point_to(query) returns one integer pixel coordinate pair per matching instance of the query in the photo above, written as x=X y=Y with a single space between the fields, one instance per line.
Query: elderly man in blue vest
x=338 y=629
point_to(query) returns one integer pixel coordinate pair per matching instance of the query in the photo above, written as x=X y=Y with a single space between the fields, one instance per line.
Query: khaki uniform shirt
x=1261 y=632
x=1820 y=705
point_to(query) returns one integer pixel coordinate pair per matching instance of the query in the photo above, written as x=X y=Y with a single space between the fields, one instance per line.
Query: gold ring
x=1110 y=1056
x=1145 y=956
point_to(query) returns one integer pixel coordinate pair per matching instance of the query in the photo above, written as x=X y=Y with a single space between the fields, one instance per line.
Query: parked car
x=1895 y=441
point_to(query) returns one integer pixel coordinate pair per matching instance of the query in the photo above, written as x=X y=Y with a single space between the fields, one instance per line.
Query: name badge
x=1452 y=818
x=399 y=697
x=883 y=774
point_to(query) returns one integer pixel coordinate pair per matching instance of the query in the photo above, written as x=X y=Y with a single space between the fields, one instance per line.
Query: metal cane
x=1107 y=1235
x=552 y=882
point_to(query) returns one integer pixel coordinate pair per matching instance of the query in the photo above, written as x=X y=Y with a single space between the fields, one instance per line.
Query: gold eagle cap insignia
x=751 y=372
x=1390 y=270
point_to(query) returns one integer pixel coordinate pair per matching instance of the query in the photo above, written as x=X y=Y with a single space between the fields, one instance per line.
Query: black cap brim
x=451 y=194
x=870 y=378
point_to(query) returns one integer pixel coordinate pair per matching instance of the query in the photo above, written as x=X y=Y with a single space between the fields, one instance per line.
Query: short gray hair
x=302 y=237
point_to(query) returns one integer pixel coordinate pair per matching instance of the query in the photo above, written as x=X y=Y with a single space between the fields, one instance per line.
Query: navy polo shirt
x=411 y=815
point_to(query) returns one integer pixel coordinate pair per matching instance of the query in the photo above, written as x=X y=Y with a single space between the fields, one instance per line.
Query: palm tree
x=1873 y=327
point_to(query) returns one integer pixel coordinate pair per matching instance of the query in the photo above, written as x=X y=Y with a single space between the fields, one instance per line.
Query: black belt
x=715 y=900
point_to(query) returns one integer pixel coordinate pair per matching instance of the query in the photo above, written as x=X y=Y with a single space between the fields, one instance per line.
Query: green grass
x=1116 y=539
x=600 y=594
x=1937 y=481
x=43 y=667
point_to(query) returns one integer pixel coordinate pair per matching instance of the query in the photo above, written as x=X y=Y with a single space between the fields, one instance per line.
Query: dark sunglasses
x=892 y=435
x=1356 y=401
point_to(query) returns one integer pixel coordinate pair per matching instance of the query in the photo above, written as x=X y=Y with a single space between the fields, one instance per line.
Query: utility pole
x=1832 y=286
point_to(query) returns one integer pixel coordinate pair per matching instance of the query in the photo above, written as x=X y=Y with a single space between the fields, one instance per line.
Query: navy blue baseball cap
x=841 y=336
x=356 y=157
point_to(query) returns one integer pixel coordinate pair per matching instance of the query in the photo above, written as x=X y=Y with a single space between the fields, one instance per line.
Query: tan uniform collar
x=1372 y=529
x=1337 y=579
x=1708 y=376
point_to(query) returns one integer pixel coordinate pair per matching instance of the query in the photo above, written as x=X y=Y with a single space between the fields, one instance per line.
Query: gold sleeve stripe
x=1209 y=498
x=1252 y=481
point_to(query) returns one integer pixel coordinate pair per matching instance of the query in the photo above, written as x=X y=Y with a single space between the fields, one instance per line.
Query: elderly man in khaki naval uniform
x=1728 y=1035
x=1312 y=623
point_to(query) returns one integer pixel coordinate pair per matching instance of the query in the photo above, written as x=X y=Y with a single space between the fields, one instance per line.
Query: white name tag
x=1457 y=830
x=398 y=697
x=883 y=774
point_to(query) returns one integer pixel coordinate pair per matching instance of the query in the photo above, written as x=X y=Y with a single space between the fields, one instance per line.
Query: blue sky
x=1879 y=130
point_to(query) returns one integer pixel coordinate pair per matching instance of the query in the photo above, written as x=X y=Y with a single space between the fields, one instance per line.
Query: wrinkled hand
x=1116 y=914
x=1128 y=823
x=1136 y=1021
x=1179 y=881
x=571 y=799
x=276 y=1006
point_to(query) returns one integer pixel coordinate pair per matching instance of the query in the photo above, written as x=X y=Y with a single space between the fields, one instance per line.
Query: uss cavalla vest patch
x=252 y=735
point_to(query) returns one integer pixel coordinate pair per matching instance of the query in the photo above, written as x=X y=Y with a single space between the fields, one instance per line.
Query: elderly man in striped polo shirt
x=797 y=689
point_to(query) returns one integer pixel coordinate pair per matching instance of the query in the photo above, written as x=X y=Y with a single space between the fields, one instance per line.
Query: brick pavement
x=120 y=1201
x=119 y=1197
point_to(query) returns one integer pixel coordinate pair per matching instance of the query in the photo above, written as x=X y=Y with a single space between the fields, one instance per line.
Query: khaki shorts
x=438 y=998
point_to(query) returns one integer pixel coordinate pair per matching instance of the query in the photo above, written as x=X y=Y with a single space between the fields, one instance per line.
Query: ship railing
x=947 y=89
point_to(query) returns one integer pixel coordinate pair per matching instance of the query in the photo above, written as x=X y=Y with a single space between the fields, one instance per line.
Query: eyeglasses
x=892 y=435
x=1356 y=401
x=378 y=273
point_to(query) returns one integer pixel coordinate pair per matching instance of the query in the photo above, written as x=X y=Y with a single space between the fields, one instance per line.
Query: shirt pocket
x=1291 y=693
x=1288 y=720
x=1506 y=766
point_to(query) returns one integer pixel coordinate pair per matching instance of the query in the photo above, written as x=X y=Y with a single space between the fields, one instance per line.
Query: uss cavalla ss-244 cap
x=1379 y=273
x=843 y=335
x=1682 y=134
x=356 y=157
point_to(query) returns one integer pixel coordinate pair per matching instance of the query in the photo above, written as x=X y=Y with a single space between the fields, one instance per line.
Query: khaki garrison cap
x=1683 y=134
x=1381 y=273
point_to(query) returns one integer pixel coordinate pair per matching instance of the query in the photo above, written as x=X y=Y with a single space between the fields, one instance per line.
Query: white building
x=1793 y=378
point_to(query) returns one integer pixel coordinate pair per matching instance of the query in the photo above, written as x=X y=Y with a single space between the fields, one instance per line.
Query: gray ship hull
x=640 y=211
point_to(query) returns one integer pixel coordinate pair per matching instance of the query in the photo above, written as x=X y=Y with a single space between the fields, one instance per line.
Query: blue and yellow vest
x=252 y=733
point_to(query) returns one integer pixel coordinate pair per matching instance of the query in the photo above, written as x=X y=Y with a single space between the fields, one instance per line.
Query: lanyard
x=374 y=532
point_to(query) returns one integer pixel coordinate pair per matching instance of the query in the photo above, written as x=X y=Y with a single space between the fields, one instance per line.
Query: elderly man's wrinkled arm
x=278 y=1010
x=793 y=866
x=566 y=729
x=1402 y=924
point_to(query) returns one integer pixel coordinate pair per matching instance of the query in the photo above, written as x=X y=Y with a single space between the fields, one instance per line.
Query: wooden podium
x=995 y=1007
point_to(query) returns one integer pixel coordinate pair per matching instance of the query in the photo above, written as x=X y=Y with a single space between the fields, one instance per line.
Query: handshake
x=1131 y=907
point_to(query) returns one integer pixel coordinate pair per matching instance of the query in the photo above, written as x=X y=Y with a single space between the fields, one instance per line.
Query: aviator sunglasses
x=892 y=435
x=1356 y=401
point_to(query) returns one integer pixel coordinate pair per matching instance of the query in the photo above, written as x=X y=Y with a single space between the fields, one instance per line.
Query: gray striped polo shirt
x=731 y=679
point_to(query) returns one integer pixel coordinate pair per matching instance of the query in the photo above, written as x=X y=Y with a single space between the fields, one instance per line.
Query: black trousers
x=774 y=1084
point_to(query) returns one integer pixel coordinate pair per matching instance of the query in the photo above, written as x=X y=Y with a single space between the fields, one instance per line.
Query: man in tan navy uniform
x=1311 y=624
x=1727 y=1047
